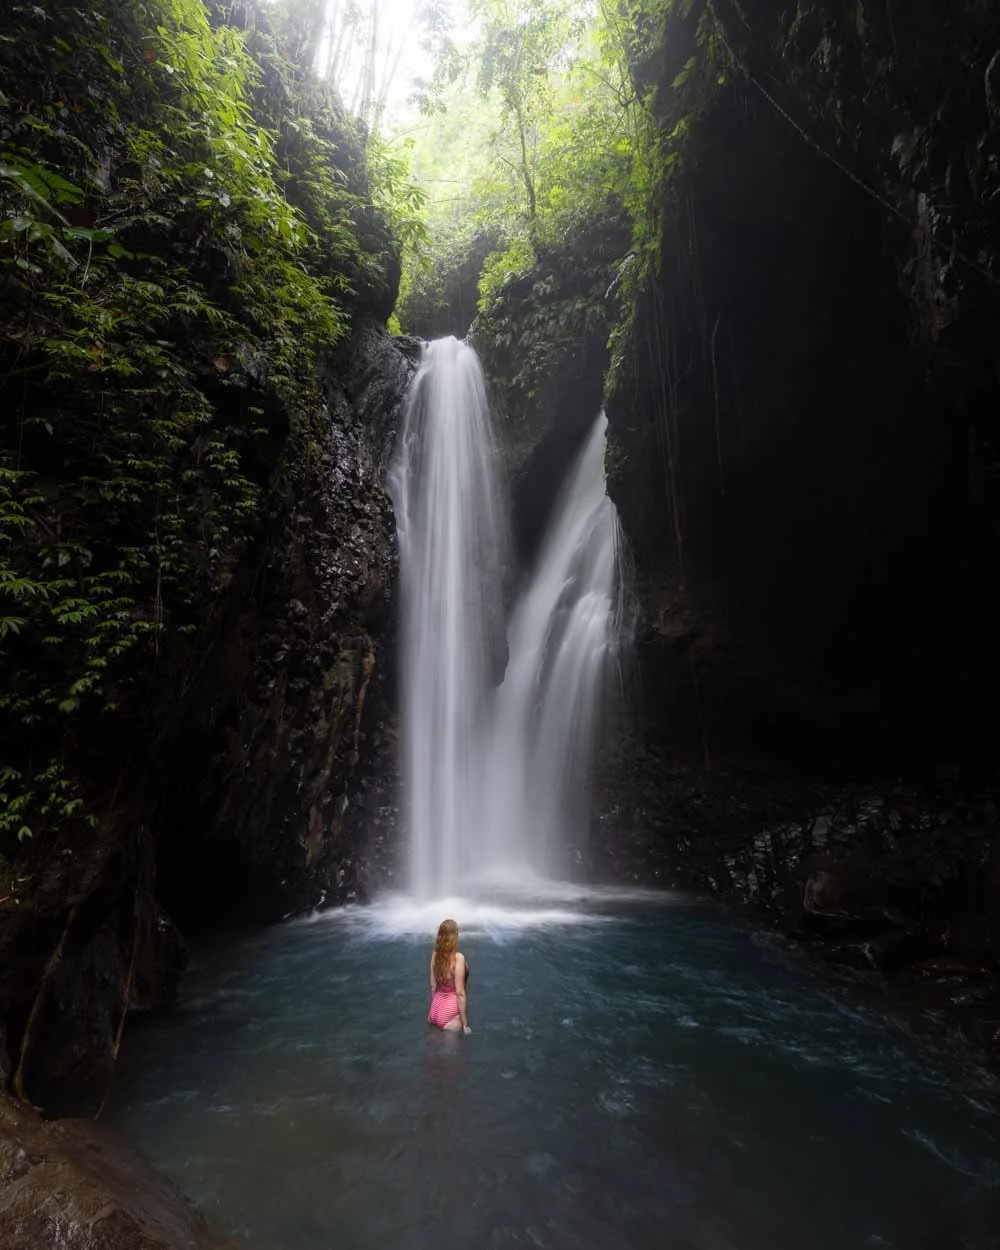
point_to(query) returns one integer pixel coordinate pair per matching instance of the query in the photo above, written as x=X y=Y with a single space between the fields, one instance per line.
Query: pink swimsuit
x=444 y=1004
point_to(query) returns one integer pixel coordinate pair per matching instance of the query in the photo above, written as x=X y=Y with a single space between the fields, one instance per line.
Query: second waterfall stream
x=500 y=700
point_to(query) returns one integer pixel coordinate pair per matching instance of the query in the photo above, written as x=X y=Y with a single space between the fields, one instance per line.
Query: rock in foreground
x=75 y=1186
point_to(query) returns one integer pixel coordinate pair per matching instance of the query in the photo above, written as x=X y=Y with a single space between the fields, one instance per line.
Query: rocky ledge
x=893 y=887
x=72 y=1185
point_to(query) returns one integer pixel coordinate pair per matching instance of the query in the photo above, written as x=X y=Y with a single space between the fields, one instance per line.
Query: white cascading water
x=451 y=545
x=496 y=763
x=562 y=634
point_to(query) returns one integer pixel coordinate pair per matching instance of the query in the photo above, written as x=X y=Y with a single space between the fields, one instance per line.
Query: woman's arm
x=434 y=983
x=463 y=1007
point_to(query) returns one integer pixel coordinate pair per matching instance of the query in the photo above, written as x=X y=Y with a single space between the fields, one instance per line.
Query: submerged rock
x=75 y=1186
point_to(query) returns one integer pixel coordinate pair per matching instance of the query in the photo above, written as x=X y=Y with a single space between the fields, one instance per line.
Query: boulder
x=72 y=1184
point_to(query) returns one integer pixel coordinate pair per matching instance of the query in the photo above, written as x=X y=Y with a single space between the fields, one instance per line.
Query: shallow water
x=641 y=1074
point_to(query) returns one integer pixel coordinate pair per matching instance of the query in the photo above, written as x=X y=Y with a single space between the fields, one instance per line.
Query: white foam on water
x=553 y=904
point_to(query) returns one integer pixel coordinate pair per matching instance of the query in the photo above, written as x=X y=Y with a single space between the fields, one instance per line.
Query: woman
x=449 y=973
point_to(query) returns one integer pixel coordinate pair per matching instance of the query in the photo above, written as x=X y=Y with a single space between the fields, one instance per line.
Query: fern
x=178 y=247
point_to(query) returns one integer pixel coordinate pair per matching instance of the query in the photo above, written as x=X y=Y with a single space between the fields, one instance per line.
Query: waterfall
x=495 y=761
x=451 y=545
x=562 y=634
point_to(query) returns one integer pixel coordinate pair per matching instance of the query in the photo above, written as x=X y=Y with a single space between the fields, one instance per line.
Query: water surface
x=641 y=1074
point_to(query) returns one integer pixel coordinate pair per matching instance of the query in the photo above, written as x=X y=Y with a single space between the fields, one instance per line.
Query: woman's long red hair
x=444 y=947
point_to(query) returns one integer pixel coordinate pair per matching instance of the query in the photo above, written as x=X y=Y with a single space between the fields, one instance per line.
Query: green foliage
x=673 y=53
x=178 y=245
x=546 y=325
x=440 y=289
x=517 y=259
x=394 y=191
x=521 y=51
x=450 y=161
x=557 y=135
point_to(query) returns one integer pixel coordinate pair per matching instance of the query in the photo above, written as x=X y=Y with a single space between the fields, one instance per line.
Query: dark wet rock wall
x=803 y=440
x=250 y=801
x=543 y=341
x=803 y=454
x=277 y=735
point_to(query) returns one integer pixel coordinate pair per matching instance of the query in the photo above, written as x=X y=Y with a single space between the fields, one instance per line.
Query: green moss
x=536 y=327
x=186 y=228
